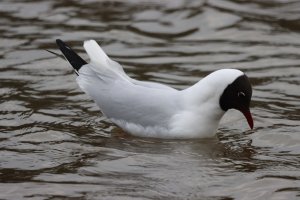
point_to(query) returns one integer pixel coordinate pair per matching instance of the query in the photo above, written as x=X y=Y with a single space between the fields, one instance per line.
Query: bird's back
x=123 y=99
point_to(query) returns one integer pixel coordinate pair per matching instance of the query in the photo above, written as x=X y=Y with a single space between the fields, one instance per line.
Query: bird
x=154 y=110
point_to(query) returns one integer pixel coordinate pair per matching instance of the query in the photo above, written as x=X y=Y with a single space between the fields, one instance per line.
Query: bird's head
x=237 y=95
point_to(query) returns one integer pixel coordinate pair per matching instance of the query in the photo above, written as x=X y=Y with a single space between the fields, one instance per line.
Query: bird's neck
x=200 y=114
x=201 y=111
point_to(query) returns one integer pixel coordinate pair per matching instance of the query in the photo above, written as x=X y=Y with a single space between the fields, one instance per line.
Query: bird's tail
x=74 y=59
x=101 y=64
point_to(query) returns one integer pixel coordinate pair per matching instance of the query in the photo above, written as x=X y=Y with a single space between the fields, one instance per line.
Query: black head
x=237 y=96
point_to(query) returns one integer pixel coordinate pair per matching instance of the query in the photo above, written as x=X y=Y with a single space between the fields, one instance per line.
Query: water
x=54 y=143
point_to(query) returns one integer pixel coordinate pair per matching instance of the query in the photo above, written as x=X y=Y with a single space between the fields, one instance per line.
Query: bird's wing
x=101 y=64
x=105 y=68
x=123 y=100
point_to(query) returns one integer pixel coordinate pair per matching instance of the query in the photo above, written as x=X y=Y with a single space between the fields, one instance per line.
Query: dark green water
x=54 y=143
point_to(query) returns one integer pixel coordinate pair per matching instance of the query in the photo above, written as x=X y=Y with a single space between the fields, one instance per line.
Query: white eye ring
x=241 y=94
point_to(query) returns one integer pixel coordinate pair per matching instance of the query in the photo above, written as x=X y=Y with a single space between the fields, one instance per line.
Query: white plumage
x=151 y=109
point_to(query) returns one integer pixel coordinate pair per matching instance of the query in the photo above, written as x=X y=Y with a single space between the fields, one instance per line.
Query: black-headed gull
x=150 y=109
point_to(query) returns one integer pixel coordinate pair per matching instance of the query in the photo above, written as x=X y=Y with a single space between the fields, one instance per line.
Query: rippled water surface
x=55 y=144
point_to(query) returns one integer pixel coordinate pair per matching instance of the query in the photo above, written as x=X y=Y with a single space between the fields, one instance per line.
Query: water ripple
x=55 y=144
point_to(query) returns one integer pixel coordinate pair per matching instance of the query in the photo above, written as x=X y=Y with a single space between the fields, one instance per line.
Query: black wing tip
x=59 y=41
x=61 y=44
x=74 y=59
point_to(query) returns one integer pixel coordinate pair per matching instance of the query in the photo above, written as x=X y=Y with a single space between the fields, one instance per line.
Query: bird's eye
x=241 y=94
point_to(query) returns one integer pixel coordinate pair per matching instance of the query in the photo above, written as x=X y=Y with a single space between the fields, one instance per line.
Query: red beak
x=248 y=116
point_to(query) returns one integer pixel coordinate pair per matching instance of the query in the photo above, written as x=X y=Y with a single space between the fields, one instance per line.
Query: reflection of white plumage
x=154 y=110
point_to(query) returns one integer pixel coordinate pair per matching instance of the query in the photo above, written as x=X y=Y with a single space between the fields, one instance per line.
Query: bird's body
x=150 y=109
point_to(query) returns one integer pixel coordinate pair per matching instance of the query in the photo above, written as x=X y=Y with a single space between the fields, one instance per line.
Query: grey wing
x=134 y=103
x=122 y=98
x=151 y=84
